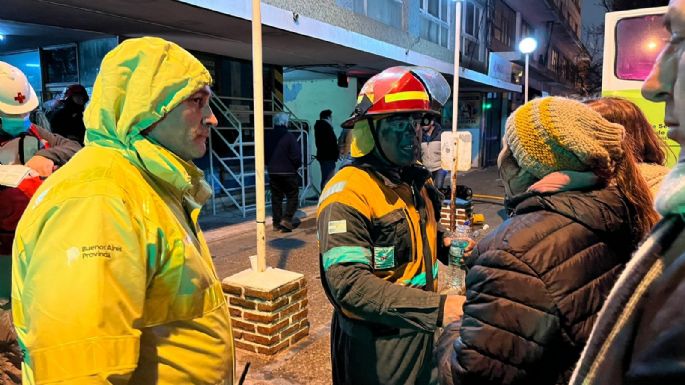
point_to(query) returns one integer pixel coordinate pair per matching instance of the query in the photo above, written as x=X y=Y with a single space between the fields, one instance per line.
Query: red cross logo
x=20 y=98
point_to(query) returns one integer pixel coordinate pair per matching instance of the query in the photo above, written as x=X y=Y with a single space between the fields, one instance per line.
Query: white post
x=257 y=82
x=526 y=79
x=455 y=112
x=455 y=80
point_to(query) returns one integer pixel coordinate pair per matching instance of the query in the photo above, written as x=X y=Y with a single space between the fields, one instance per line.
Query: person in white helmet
x=21 y=142
x=17 y=101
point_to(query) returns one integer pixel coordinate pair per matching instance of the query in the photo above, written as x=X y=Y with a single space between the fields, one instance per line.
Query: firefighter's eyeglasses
x=407 y=122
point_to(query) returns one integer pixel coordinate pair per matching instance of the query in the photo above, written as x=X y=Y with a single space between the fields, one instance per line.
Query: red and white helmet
x=400 y=90
x=17 y=97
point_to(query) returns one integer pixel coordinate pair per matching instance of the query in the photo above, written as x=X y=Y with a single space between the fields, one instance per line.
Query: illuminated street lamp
x=527 y=46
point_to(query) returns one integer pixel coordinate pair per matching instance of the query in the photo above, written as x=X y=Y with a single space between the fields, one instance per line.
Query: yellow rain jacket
x=113 y=282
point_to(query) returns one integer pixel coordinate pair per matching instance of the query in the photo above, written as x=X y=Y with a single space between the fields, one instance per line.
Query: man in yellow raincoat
x=112 y=279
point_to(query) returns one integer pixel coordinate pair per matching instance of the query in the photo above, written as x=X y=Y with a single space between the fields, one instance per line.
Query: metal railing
x=231 y=159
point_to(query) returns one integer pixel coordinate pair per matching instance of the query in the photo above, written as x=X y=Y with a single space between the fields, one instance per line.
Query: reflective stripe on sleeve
x=346 y=254
x=419 y=280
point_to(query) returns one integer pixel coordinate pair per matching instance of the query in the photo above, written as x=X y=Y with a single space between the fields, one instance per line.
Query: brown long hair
x=636 y=191
x=645 y=144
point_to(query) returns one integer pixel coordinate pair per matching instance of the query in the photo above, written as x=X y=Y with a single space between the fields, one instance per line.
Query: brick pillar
x=268 y=309
x=464 y=212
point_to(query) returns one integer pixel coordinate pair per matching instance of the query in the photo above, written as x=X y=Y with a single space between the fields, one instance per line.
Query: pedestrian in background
x=67 y=117
x=379 y=240
x=326 y=146
x=431 y=151
x=283 y=158
x=536 y=285
x=639 y=335
x=113 y=282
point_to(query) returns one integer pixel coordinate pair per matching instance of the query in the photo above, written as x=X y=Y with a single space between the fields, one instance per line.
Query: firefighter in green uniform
x=379 y=240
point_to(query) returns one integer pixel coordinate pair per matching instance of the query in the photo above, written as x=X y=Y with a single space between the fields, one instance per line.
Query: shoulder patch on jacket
x=337 y=227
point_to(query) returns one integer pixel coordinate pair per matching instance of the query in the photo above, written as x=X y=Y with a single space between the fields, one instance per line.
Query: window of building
x=435 y=21
x=386 y=11
x=562 y=68
x=553 y=60
x=571 y=71
x=61 y=64
x=504 y=24
x=638 y=42
x=473 y=21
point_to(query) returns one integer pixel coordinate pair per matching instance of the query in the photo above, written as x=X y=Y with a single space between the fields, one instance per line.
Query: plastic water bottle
x=456 y=275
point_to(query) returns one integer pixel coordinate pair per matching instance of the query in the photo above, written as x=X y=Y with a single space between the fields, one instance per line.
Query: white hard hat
x=17 y=97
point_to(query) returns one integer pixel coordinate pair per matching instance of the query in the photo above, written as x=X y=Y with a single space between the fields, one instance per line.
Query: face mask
x=516 y=180
x=15 y=126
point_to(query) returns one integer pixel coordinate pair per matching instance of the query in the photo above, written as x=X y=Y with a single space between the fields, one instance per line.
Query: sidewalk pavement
x=488 y=194
x=231 y=223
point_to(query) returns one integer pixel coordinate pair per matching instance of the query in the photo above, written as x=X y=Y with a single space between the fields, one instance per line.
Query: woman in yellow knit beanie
x=536 y=285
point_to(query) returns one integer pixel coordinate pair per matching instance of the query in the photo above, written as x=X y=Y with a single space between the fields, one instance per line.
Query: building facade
x=317 y=53
x=556 y=66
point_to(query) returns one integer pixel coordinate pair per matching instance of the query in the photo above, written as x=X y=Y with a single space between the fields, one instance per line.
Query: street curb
x=307 y=216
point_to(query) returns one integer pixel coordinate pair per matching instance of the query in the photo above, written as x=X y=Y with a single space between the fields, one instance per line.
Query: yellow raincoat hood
x=139 y=82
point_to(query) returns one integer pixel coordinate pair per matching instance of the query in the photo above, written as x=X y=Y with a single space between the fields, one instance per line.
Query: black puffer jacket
x=535 y=287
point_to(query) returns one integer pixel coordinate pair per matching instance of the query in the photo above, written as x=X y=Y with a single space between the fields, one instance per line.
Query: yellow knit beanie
x=554 y=133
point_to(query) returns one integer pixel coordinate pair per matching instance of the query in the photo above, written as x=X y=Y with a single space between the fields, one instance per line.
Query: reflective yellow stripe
x=406 y=95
